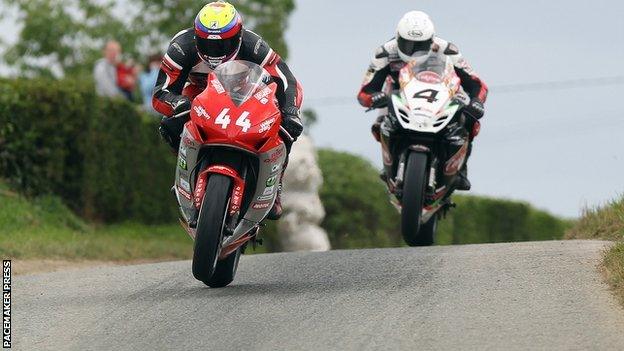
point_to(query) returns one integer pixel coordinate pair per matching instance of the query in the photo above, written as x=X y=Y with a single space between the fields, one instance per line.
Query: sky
x=561 y=150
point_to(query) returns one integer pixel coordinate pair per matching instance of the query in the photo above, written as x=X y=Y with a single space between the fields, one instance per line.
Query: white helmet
x=414 y=36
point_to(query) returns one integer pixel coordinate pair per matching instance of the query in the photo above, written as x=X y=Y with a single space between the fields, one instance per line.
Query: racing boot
x=376 y=130
x=276 y=210
x=462 y=179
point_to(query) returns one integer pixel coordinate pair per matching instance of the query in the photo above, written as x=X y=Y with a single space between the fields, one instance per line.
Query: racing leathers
x=382 y=76
x=183 y=76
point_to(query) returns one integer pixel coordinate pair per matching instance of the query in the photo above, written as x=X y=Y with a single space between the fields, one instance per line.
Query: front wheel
x=225 y=271
x=414 y=185
x=210 y=226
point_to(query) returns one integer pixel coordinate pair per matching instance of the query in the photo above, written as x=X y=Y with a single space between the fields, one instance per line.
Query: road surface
x=547 y=295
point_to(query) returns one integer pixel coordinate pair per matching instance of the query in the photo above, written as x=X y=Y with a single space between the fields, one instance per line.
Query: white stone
x=299 y=228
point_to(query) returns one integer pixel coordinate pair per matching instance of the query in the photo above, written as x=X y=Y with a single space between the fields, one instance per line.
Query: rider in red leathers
x=218 y=36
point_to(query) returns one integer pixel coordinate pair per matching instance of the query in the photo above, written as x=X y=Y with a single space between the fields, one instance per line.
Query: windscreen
x=240 y=79
x=434 y=63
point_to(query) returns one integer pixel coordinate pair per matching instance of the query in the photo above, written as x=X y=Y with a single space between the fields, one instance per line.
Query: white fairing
x=429 y=95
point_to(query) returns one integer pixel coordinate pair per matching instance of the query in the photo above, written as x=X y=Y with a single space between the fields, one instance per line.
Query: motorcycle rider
x=415 y=40
x=218 y=36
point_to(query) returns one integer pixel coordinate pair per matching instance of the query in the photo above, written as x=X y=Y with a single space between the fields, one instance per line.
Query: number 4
x=223 y=118
x=244 y=122
x=427 y=94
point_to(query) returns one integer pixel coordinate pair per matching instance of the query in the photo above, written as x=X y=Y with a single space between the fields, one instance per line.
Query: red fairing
x=215 y=119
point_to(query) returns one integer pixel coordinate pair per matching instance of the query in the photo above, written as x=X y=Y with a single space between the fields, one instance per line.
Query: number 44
x=223 y=119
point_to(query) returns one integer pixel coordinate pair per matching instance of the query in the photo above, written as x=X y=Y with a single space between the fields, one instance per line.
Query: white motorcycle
x=424 y=145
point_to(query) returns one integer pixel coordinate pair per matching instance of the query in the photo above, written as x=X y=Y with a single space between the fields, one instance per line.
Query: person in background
x=105 y=71
x=147 y=81
x=127 y=73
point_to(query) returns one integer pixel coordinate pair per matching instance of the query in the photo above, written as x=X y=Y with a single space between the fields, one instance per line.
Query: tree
x=65 y=37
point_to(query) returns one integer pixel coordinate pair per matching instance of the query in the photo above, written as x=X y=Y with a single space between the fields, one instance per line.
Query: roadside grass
x=45 y=228
x=607 y=223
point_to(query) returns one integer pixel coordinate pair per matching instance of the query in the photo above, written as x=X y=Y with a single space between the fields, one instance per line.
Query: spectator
x=147 y=81
x=105 y=71
x=127 y=78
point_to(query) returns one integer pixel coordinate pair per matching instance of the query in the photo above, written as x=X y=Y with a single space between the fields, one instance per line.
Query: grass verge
x=607 y=223
x=44 y=228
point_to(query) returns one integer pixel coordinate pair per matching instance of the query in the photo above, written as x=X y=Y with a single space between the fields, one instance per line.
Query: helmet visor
x=218 y=48
x=409 y=47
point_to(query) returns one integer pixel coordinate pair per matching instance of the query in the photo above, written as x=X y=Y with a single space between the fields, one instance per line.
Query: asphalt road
x=546 y=295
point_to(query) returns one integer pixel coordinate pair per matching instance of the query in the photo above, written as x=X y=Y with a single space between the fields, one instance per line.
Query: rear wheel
x=412 y=201
x=210 y=226
x=225 y=271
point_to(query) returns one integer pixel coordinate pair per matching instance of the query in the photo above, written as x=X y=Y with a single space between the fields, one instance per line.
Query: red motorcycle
x=229 y=163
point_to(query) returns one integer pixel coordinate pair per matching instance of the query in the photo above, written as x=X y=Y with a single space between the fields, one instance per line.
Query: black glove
x=291 y=122
x=379 y=100
x=475 y=108
x=171 y=127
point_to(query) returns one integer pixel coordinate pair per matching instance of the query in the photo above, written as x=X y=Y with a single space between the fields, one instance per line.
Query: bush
x=102 y=157
x=485 y=220
x=358 y=213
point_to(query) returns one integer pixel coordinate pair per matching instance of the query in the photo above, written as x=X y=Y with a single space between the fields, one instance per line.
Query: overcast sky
x=558 y=149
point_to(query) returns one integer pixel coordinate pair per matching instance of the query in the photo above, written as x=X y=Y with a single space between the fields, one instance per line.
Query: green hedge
x=359 y=213
x=102 y=157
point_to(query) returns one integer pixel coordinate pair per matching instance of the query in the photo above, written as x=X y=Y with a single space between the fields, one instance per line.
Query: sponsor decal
x=217 y=85
x=200 y=189
x=261 y=205
x=185 y=185
x=178 y=48
x=429 y=77
x=271 y=181
x=237 y=199
x=415 y=33
x=6 y=304
x=201 y=112
x=275 y=168
x=183 y=149
x=257 y=47
x=275 y=156
x=265 y=198
x=269 y=190
x=182 y=162
x=266 y=125
x=184 y=193
x=263 y=94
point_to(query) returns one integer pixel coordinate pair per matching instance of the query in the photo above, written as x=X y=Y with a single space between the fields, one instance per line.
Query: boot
x=276 y=210
x=462 y=179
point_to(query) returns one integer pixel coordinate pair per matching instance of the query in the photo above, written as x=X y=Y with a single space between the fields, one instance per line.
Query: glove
x=291 y=122
x=182 y=105
x=379 y=99
x=171 y=127
x=475 y=108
